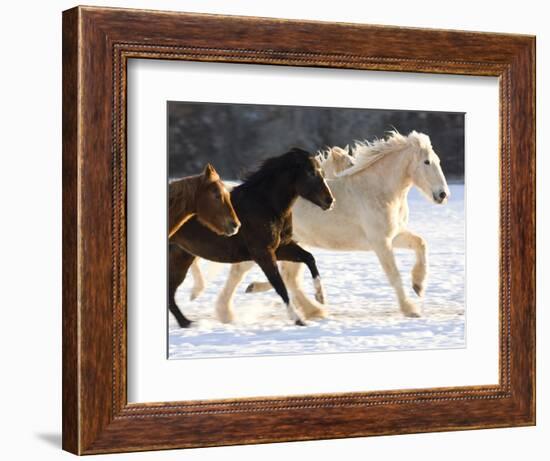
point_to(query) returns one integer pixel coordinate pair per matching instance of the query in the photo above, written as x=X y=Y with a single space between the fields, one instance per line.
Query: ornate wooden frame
x=97 y=43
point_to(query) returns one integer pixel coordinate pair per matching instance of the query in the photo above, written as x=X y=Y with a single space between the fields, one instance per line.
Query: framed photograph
x=281 y=230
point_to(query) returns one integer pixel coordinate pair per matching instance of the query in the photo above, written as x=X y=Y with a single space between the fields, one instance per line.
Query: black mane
x=294 y=158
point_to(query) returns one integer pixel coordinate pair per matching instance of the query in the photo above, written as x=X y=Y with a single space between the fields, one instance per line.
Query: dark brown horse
x=263 y=203
x=205 y=197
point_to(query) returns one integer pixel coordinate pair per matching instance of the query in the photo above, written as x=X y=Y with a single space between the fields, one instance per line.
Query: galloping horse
x=333 y=160
x=371 y=213
x=263 y=203
x=205 y=197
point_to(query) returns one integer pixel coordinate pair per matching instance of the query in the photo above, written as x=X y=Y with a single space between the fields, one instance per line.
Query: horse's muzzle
x=328 y=204
x=440 y=197
x=232 y=228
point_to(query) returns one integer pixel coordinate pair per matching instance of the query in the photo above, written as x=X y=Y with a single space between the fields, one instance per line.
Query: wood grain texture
x=70 y=383
x=97 y=43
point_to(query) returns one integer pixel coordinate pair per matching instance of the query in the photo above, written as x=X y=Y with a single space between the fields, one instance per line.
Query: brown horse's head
x=213 y=204
x=311 y=183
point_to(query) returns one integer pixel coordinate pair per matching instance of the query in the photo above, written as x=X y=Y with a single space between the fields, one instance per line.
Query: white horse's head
x=336 y=160
x=425 y=169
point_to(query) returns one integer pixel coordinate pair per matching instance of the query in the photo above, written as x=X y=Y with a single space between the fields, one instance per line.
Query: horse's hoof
x=300 y=323
x=419 y=290
x=409 y=309
x=225 y=315
x=413 y=315
x=250 y=288
x=185 y=324
x=316 y=313
x=320 y=298
x=193 y=296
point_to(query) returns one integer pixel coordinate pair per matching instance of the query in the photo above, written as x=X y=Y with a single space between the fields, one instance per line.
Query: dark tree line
x=236 y=137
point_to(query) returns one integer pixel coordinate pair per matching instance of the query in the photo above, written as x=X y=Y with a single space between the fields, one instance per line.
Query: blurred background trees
x=236 y=137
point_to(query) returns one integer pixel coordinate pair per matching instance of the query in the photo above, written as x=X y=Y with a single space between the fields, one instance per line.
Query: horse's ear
x=210 y=173
x=338 y=152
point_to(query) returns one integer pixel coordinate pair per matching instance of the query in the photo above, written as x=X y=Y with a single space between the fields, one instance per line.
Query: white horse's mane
x=367 y=153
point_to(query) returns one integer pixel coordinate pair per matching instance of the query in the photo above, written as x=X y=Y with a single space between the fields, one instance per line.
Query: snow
x=363 y=311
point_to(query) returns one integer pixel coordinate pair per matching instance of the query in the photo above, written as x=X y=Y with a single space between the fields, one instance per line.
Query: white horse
x=370 y=213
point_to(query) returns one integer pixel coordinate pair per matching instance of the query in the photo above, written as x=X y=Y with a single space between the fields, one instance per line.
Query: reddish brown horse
x=263 y=203
x=205 y=197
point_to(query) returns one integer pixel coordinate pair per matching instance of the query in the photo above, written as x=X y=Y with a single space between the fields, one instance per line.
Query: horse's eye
x=426 y=162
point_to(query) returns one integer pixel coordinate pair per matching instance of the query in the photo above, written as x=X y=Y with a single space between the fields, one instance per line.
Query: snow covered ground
x=364 y=315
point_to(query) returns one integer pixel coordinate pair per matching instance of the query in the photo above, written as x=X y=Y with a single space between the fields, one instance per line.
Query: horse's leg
x=295 y=253
x=178 y=265
x=224 y=302
x=198 y=280
x=412 y=241
x=292 y=275
x=386 y=257
x=258 y=287
x=268 y=264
